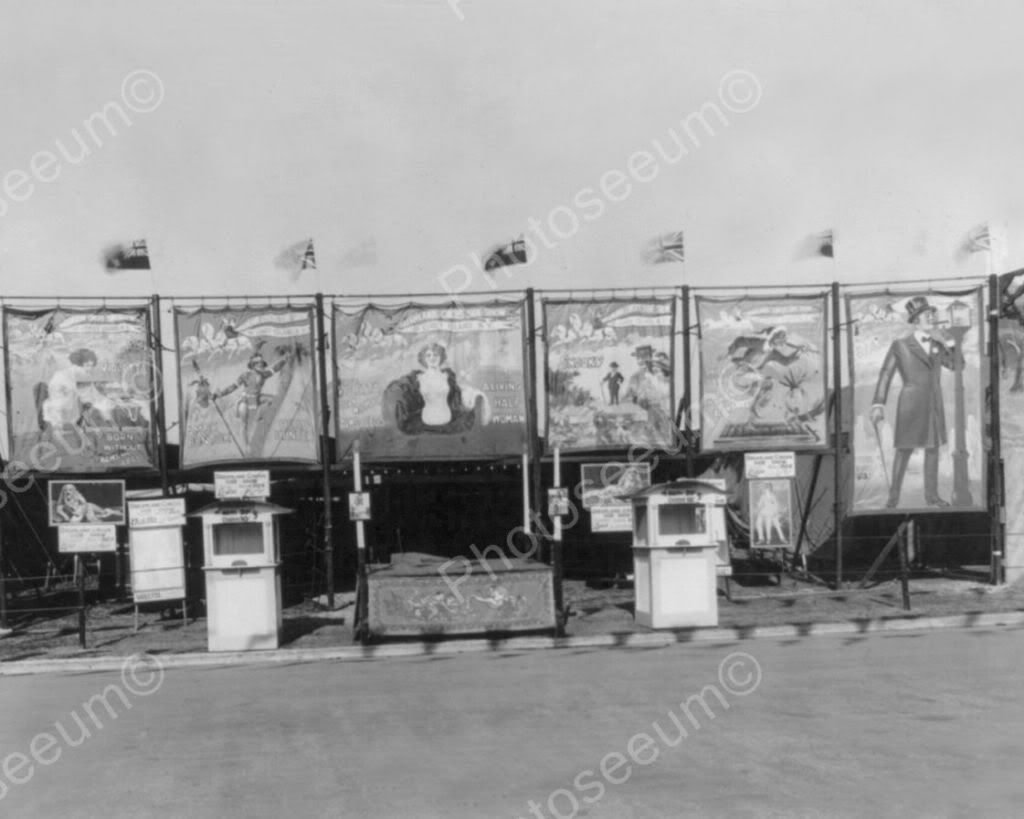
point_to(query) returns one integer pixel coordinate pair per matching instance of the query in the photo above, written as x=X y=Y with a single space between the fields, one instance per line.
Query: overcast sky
x=438 y=129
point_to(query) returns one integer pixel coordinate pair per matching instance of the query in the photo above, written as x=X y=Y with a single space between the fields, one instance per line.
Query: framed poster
x=602 y=488
x=246 y=385
x=359 y=506
x=770 y=502
x=610 y=371
x=86 y=502
x=917 y=366
x=763 y=372
x=86 y=538
x=421 y=381
x=79 y=389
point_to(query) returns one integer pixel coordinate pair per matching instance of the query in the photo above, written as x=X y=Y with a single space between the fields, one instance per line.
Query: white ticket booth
x=243 y=576
x=678 y=533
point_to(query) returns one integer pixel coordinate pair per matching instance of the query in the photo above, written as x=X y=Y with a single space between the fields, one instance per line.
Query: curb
x=652 y=639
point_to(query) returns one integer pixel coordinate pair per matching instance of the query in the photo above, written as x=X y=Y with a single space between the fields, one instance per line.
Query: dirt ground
x=608 y=610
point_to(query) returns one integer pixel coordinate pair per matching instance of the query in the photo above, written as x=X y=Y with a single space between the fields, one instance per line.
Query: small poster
x=155 y=514
x=86 y=502
x=604 y=486
x=86 y=538
x=242 y=485
x=359 y=506
x=558 y=501
x=771 y=513
x=157 y=564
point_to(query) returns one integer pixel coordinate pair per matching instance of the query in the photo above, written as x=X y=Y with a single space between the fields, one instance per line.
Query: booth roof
x=679 y=486
x=224 y=506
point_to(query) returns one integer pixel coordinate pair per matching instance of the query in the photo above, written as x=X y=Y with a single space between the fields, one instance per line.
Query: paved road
x=913 y=724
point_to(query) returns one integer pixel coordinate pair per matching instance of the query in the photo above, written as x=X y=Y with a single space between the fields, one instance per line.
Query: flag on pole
x=668 y=247
x=988 y=237
x=827 y=244
x=297 y=257
x=133 y=256
x=977 y=240
x=815 y=245
x=506 y=255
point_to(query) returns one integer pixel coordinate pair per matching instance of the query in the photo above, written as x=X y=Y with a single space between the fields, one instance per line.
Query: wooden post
x=837 y=440
x=556 y=556
x=685 y=419
x=156 y=403
x=908 y=534
x=80 y=580
x=3 y=587
x=325 y=432
x=996 y=493
x=532 y=427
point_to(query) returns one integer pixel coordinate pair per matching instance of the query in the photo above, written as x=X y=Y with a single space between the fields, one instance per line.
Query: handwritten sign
x=247 y=485
x=611 y=517
x=85 y=538
x=769 y=465
x=152 y=514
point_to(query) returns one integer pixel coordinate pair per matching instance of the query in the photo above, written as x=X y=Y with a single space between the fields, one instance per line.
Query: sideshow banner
x=917 y=377
x=609 y=374
x=771 y=513
x=1011 y=418
x=763 y=373
x=421 y=381
x=604 y=486
x=79 y=386
x=246 y=384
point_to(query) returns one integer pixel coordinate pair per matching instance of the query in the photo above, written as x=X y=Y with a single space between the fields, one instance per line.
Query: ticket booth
x=678 y=534
x=243 y=576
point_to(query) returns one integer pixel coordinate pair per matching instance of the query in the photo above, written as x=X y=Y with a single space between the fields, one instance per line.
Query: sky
x=438 y=128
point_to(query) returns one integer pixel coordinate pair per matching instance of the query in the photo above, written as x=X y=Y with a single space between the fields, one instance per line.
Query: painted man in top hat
x=920 y=416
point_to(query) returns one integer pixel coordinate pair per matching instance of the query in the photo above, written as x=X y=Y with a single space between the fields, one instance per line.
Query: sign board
x=604 y=486
x=769 y=465
x=152 y=514
x=157 y=564
x=611 y=518
x=247 y=485
x=86 y=502
x=359 y=506
x=558 y=501
x=85 y=538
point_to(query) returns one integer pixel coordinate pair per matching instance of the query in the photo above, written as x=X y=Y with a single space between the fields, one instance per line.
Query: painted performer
x=250 y=406
x=614 y=380
x=918 y=358
x=768 y=517
x=430 y=400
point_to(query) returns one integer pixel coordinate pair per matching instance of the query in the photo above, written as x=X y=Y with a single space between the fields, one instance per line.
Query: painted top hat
x=916 y=306
x=644 y=352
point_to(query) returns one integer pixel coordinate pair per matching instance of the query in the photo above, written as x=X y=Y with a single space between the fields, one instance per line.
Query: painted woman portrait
x=430 y=399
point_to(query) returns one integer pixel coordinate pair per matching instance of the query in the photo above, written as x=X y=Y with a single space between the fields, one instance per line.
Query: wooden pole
x=996 y=492
x=156 y=403
x=837 y=439
x=909 y=534
x=536 y=446
x=556 y=556
x=80 y=581
x=3 y=586
x=325 y=450
x=685 y=419
x=526 y=490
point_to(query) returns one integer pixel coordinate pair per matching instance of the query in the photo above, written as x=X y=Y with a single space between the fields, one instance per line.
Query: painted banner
x=916 y=367
x=421 y=381
x=247 y=387
x=763 y=372
x=604 y=486
x=609 y=374
x=79 y=387
x=1011 y=417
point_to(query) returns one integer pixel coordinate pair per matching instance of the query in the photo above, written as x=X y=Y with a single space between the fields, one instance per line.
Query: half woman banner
x=423 y=381
x=916 y=367
x=609 y=373
x=79 y=388
x=247 y=389
x=763 y=372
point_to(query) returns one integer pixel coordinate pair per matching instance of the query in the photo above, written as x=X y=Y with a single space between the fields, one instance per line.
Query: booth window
x=682 y=519
x=238 y=539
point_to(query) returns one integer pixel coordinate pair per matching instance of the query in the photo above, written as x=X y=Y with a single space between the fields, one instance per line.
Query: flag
x=988 y=237
x=505 y=255
x=134 y=256
x=297 y=257
x=978 y=239
x=827 y=244
x=817 y=244
x=362 y=255
x=667 y=248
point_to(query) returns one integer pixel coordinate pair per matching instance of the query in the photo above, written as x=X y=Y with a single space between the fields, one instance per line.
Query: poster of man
x=247 y=387
x=763 y=373
x=771 y=513
x=915 y=363
x=610 y=374
x=80 y=384
x=423 y=381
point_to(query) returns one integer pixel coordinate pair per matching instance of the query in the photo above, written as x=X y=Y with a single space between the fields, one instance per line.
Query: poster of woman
x=763 y=373
x=916 y=369
x=80 y=384
x=610 y=374
x=770 y=508
x=422 y=381
x=247 y=389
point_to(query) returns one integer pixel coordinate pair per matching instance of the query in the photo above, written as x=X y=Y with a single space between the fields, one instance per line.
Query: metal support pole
x=556 y=556
x=996 y=493
x=156 y=404
x=80 y=580
x=685 y=419
x=532 y=427
x=325 y=451
x=837 y=439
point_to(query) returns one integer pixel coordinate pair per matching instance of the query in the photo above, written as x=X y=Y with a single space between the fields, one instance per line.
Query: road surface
x=910 y=724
